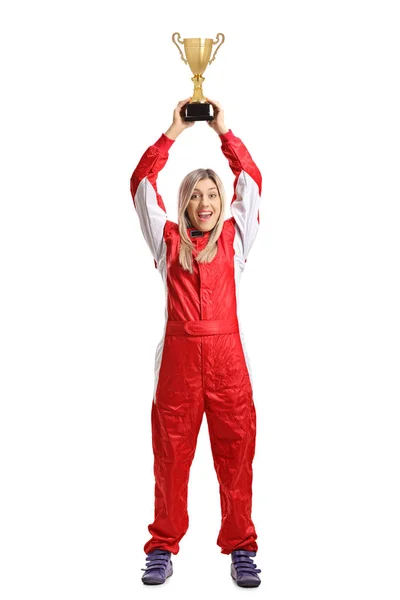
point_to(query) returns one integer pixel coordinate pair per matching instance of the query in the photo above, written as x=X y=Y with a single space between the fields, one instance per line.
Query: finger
x=213 y=102
x=184 y=101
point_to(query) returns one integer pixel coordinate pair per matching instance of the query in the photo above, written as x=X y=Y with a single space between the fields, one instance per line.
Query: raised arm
x=247 y=189
x=148 y=202
x=247 y=185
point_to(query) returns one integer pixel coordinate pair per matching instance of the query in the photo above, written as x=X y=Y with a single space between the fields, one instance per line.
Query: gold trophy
x=198 y=52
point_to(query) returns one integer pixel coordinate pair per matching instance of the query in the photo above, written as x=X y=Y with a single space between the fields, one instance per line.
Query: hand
x=218 y=122
x=178 y=123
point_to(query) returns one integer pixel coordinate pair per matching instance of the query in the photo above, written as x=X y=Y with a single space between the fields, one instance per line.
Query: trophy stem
x=198 y=95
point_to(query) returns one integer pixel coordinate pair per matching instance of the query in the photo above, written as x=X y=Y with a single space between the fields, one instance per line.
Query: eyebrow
x=211 y=188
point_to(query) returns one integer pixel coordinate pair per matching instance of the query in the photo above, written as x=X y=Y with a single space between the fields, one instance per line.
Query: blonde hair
x=186 y=246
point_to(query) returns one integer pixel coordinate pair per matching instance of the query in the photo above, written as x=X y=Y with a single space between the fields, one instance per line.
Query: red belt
x=202 y=327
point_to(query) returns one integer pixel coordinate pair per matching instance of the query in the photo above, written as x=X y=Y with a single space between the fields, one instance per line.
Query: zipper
x=201 y=317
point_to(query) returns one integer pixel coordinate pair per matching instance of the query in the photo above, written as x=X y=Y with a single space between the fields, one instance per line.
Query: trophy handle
x=181 y=42
x=216 y=49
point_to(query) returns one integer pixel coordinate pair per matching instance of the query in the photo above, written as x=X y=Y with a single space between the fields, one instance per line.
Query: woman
x=201 y=364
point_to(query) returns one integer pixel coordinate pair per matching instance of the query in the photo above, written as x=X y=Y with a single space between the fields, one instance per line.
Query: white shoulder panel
x=245 y=212
x=151 y=216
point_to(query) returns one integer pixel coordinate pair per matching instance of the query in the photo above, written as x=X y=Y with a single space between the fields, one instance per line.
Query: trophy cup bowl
x=198 y=52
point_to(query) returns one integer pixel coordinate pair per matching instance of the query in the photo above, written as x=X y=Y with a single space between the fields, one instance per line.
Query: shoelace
x=243 y=563
x=158 y=559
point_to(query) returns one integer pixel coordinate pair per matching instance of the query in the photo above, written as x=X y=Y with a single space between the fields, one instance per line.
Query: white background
x=312 y=88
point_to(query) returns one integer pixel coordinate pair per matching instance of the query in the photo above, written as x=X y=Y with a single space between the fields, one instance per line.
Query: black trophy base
x=198 y=112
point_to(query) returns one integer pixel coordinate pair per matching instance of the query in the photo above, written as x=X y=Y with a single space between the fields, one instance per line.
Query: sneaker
x=158 y=567
x=243 y=570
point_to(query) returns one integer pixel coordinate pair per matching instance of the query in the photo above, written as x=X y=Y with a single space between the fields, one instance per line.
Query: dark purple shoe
x=243 y=570
x=158 y=567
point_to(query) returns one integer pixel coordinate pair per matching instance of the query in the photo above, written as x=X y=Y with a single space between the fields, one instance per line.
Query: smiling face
x=204 y=205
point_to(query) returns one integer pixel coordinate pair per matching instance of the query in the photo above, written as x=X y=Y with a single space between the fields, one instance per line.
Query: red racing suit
x=201 y=364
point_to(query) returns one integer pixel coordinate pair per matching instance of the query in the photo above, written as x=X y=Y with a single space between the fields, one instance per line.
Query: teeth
x=204 y=214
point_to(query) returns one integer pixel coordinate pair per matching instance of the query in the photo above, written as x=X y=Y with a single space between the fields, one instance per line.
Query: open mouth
x=204 y=215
